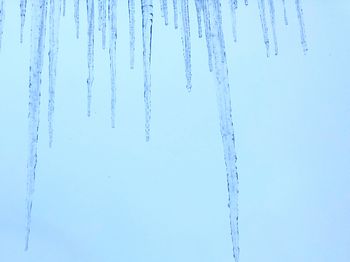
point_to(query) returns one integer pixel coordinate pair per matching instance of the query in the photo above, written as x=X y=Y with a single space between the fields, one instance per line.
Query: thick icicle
x=76 y=17
x=301 y=24
x=273 y=24
x=226 y=125
x=2 y=17
x=176 y=14
x=38 y=27
x=23 y=8
x=199 y=10
x=285 y=12
x=131 y=7
x=186 y=42
x=147 y=23
x=102 y=20
x=112 y=55
x=164 y=10
x=261 y=5
x=207 y=35
x=55 y=14
x=233 y=8
x=64 y=8
x=90 y=53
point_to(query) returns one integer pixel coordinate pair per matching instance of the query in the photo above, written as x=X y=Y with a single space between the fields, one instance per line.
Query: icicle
x=233 y=7
x=55 y=13
x=176 y=16
x=199 y=10
x=112 y=55
x=64 y=8
x=246 y=2
x=164 y=10
x=131 y=7
x=206 y=17
x=285 y=12
x=76 y=17
x=273 y=24
x=102 y=20
x=2 y=17
x=226 y=125
x=38 y=27
x=261 y=5
x=23 y=8
x=301 y=24
x=90 y=54
x=186 y=41
x=147 y=22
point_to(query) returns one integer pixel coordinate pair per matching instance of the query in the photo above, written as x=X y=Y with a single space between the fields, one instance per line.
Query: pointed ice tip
x=147 y=138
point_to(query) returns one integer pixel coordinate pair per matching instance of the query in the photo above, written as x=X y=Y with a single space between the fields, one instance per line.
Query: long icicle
x=76 y=17
x=90 y=53
x=2 y=17
x=23 y=8
x=233 y=8
x=176 y=14
x=302 y=25
x=147 y=23
x=209 y=42
x=261 y=5
x=273 y=24
x=54 y=23
x=131 y=7
x=226 y=124
x=186 y=42
x=199 y=11
x=38 y=28
x=113 y=55
x=285 y=12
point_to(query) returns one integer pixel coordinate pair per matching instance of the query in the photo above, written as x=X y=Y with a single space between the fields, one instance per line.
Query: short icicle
x=225 y=114
x=38 y=28
x=186 y=42
x=273 y=24
x=90 y=51
x=301 y=24
x=147 y=23
x=261 y=5
x=113 y=55
x=176 y=14
x=131 y=7
x=285 y=12
x=54 y=24
x=164 y=11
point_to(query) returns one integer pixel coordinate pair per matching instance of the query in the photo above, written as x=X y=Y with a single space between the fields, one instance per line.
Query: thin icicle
x=2 y=17
x=102 y=20
x=38 y=27
x=206 y=18
x=285 y=12
x=199 y=10
x=147 y=23
x=113 y=55
x=90 y=53
x=261 y=5
x=76 y=17
x=23 y=8
x=273 y=24
x=131 y=7
x=164 y=10
x=233 y=8
x=64 y=8
x=186 y=42
x=54 y=22
x=301 y=24
x=176 y=14
x=226 y=124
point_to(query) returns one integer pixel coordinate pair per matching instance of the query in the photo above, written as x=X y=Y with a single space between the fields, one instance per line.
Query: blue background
x=105 y=194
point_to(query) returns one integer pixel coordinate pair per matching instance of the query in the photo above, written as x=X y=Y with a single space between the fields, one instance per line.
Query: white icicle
x=131 y=7
x=147 y=23
x=2 y=17
x=261 y=5
x=164 y=10
x=273 y=24
x=102 y=20
x=285 y=12
x=76 y=17
x=23 y=8
x=206 y=18
x=186 y=42
x=38 y=28
x=90 y=52
x=301 y=24
x=226 y=124
x=199 y=11
x=233 y=8
x=112 y=55
x=176 y=14
x=54 y=23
